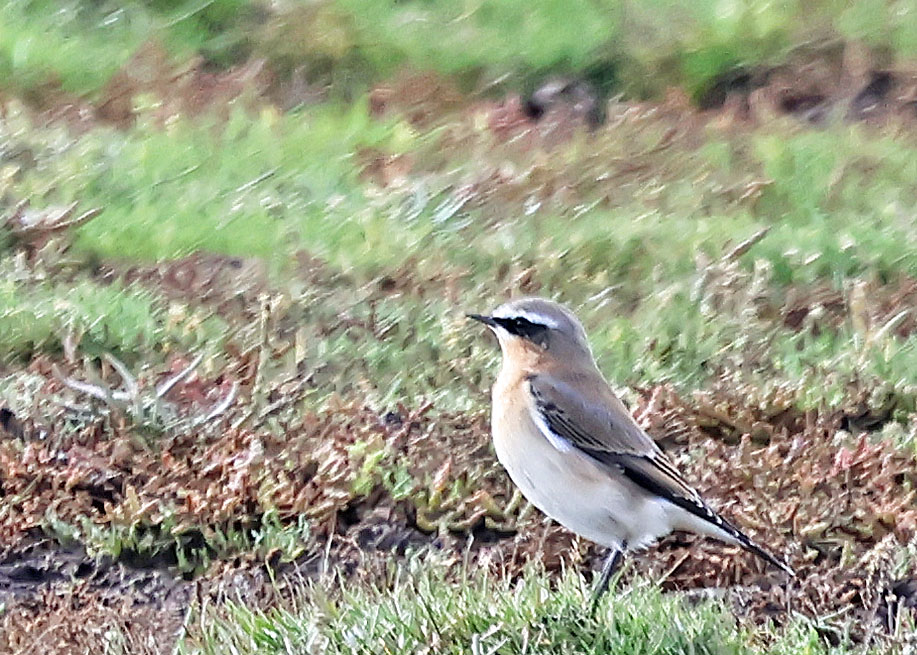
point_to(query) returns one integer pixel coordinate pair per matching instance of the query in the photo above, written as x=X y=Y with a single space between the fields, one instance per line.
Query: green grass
x=96 y=318
x=81 y=45
x=189 y=549
x=835 y=202
x=421 y=610
x=634 y=254
x=43 y=42
x=257 y=185
x=617 y=43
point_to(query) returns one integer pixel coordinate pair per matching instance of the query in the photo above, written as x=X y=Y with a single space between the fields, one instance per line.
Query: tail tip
x=773 y=559
x=766 y=555
x=786 y=568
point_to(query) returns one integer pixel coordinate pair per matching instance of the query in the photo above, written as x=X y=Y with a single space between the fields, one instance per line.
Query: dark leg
x=612 y=562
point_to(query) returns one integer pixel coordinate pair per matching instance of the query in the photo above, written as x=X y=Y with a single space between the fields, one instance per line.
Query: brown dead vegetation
x=829 y=500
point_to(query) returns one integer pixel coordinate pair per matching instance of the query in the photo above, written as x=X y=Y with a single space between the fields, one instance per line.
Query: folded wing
x=606 y=432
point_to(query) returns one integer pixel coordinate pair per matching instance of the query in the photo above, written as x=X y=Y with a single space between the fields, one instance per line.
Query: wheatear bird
x=574 y=450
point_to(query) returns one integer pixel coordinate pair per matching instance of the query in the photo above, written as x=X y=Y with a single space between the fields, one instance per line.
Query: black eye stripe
x=522 y=327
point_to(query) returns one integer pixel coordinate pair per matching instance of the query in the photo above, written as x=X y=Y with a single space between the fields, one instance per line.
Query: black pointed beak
x=486 y=320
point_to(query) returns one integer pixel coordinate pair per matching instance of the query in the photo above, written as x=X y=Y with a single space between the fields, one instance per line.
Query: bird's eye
x=524 y=328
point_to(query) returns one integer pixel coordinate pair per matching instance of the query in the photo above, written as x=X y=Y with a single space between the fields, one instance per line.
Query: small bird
x=574 y=450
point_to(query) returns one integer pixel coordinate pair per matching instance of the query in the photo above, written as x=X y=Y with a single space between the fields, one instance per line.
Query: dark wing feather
x=601 y=427
x=608 y=434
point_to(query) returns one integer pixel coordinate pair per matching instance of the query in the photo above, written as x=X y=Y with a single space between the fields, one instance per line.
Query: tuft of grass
x=43 y=43
x=96 y=318
x=423 y=610
x=189 y=549
x=838 y=201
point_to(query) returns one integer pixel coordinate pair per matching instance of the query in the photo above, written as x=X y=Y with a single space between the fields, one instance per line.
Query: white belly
x=579 y=494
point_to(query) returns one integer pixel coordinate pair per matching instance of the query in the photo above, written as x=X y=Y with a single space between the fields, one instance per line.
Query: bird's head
x=538 y=328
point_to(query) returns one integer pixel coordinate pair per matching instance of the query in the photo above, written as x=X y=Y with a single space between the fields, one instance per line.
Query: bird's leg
x=612 y=563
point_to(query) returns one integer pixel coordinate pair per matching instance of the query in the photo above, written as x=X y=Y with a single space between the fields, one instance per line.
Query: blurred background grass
x=622 y=223
x=636 y=47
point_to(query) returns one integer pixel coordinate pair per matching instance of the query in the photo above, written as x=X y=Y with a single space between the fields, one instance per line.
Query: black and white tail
x=710 y=522
x=744 y=541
